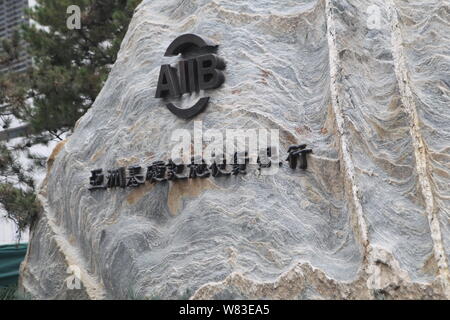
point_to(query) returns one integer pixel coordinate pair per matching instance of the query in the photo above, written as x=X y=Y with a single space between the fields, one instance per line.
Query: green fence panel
x=10 y=258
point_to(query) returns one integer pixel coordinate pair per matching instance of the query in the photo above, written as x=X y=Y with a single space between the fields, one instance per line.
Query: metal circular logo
x=201 y=72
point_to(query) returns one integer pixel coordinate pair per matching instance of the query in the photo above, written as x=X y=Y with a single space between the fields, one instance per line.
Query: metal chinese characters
x=298 y=153
x=174 y=170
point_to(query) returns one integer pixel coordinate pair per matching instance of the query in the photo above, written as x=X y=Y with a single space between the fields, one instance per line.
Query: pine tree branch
x=94 y=45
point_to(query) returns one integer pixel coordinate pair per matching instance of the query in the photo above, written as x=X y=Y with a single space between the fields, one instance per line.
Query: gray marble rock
x=365 y=83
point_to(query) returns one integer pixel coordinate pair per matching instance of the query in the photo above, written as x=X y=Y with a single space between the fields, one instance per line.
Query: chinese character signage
x=173 y=170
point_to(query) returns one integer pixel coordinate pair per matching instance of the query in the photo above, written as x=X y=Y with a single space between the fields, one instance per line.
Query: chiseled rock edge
x=71 y=255
x=74 y=257
x=351 y=187
x=382 y=280
x=420 y=150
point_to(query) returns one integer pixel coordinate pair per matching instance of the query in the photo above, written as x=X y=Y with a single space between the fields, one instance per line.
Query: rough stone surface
x=369 y=219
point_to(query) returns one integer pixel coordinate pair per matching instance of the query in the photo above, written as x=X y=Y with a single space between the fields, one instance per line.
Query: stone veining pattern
x=369 y=219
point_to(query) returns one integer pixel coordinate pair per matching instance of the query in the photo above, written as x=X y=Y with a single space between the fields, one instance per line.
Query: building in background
x=11 y=18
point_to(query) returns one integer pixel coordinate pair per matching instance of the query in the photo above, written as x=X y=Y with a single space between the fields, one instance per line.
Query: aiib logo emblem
x=201 y=72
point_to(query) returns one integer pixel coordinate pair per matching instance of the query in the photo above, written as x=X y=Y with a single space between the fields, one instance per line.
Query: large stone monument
x=364 y=83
